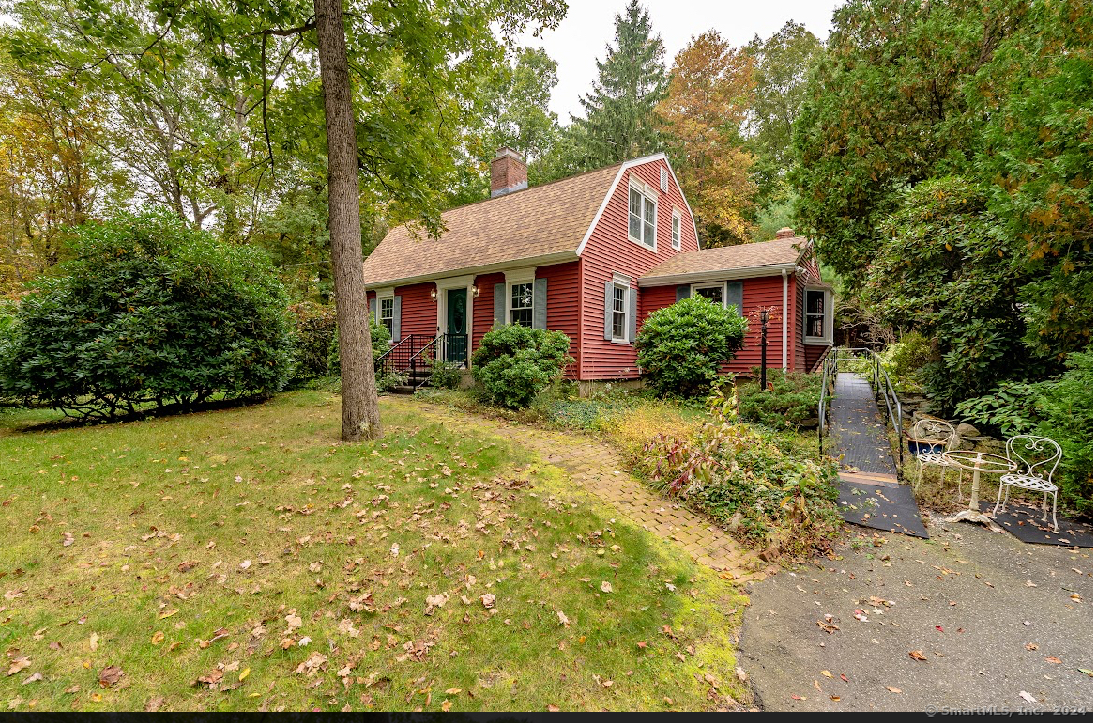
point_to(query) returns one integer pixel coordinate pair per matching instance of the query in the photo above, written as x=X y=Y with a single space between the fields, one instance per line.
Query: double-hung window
x=618 y=312
x=387 y=314
x=643 y=217
x=521 y=300
x=675 y=229
x=817 y=321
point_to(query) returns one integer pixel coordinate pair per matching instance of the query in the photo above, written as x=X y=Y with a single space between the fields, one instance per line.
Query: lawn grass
x=244 y=559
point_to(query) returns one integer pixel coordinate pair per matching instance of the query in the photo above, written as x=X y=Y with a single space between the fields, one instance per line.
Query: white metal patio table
x=977 y=463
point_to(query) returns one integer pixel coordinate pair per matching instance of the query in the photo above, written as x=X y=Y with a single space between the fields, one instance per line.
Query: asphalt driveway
x=997 y=624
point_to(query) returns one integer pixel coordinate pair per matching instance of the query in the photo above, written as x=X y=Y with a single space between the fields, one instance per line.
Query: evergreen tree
x=620 y=122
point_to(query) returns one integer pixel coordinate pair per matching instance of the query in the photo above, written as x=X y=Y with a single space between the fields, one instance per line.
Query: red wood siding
x=654 y=298
x=763 y=292
x=563 y=305
x=813 y=352
x=418 y=308
x=610 y=250
x=483 y=307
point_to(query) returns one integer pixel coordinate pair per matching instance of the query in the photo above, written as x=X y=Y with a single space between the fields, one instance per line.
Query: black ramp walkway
x=869 y=491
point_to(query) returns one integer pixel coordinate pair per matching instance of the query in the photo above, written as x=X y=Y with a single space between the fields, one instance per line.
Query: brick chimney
x=508 y=172
x=785 y=232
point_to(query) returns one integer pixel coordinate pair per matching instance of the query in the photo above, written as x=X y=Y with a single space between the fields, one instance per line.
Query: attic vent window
x=664 y=179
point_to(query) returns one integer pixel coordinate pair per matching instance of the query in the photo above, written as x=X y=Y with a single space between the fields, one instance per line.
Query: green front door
x=457 y=326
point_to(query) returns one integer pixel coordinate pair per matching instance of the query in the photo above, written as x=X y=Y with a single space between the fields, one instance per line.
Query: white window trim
x=718 y=285
x=622 y=280
x=829 y=321
x=519 y=276
x=648 y=194
x=677 y=225
x=387 y=292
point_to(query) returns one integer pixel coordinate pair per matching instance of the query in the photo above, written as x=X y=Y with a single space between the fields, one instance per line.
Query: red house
x=591 y=255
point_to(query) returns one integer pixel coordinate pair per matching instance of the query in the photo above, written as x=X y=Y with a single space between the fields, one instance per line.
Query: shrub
x=150 y=311
x=1067 y=407
x=904 y=359
x=790 y=402
x=445 y=374
x=7 y=338
x=680 y=347
x=316 y=326
x=513 y=364
x=741 y=477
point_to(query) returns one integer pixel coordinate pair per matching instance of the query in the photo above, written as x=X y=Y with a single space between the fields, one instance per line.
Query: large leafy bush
x=513 y=364
x=150 y=311
x=681 y=347
x=7 y=337
x=741 y=477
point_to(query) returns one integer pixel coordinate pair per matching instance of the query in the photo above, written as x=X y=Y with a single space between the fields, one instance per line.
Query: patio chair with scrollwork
x=1036 y=459
x=930 y=439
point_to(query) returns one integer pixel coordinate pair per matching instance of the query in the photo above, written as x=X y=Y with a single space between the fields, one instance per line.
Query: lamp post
x=764 y=317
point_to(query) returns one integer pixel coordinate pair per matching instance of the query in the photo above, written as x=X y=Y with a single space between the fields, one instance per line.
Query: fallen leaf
x=917 y=655
x=894 y=690
x=453 y=691
x=110 y=675
x=563 y=619
x=243 y=675
x=1031 y=646
x=553 y=708
x=1025 y=695
x=605 y=587
x=1053 y=659
x=244 y=565
x=488 y=601
x=446 y=706
x=18 y=664
x=157 y=637
x=154 y=704
x=94 y=642
x=33 y=679
x=826 y=674
x=167 y=613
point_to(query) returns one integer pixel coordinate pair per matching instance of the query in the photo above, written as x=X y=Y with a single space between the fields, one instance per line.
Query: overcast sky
x=589 y=26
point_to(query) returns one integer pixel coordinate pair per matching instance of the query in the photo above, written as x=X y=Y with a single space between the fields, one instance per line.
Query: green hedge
x=791 y=401
x=150 y=311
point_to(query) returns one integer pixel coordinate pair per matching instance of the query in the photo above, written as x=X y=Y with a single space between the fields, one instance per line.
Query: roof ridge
x=529 y=188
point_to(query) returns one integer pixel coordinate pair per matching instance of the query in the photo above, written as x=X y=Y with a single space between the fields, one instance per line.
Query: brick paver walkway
x=596 y=467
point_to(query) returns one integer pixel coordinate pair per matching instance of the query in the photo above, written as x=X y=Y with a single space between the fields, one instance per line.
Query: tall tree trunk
x=360 y=406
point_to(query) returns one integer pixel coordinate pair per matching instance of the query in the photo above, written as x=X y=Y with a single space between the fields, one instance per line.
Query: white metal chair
x=1036 y=459
x=932 y=438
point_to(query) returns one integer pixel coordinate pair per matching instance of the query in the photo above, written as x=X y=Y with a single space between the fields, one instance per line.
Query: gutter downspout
x=785 y=314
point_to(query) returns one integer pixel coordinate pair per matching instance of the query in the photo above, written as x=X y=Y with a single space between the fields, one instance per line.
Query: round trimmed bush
x=681 y=346
x=149 y=311
x=513 y=364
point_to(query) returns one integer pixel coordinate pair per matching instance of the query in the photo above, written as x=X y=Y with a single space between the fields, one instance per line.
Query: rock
x=965 y=430
x=770 y=554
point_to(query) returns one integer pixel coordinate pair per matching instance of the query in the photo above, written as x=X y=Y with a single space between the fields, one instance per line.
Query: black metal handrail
x=415 y=354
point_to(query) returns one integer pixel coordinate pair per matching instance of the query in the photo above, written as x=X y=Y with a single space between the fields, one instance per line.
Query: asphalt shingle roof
x=539 y=221
x=775 y=252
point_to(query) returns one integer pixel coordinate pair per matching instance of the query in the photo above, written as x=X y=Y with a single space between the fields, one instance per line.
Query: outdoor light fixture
x=432 y=293
x=474 y=290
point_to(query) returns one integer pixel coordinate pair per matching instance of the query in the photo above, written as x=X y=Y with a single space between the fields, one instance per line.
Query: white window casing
x=523 y=281
x=677 y=222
